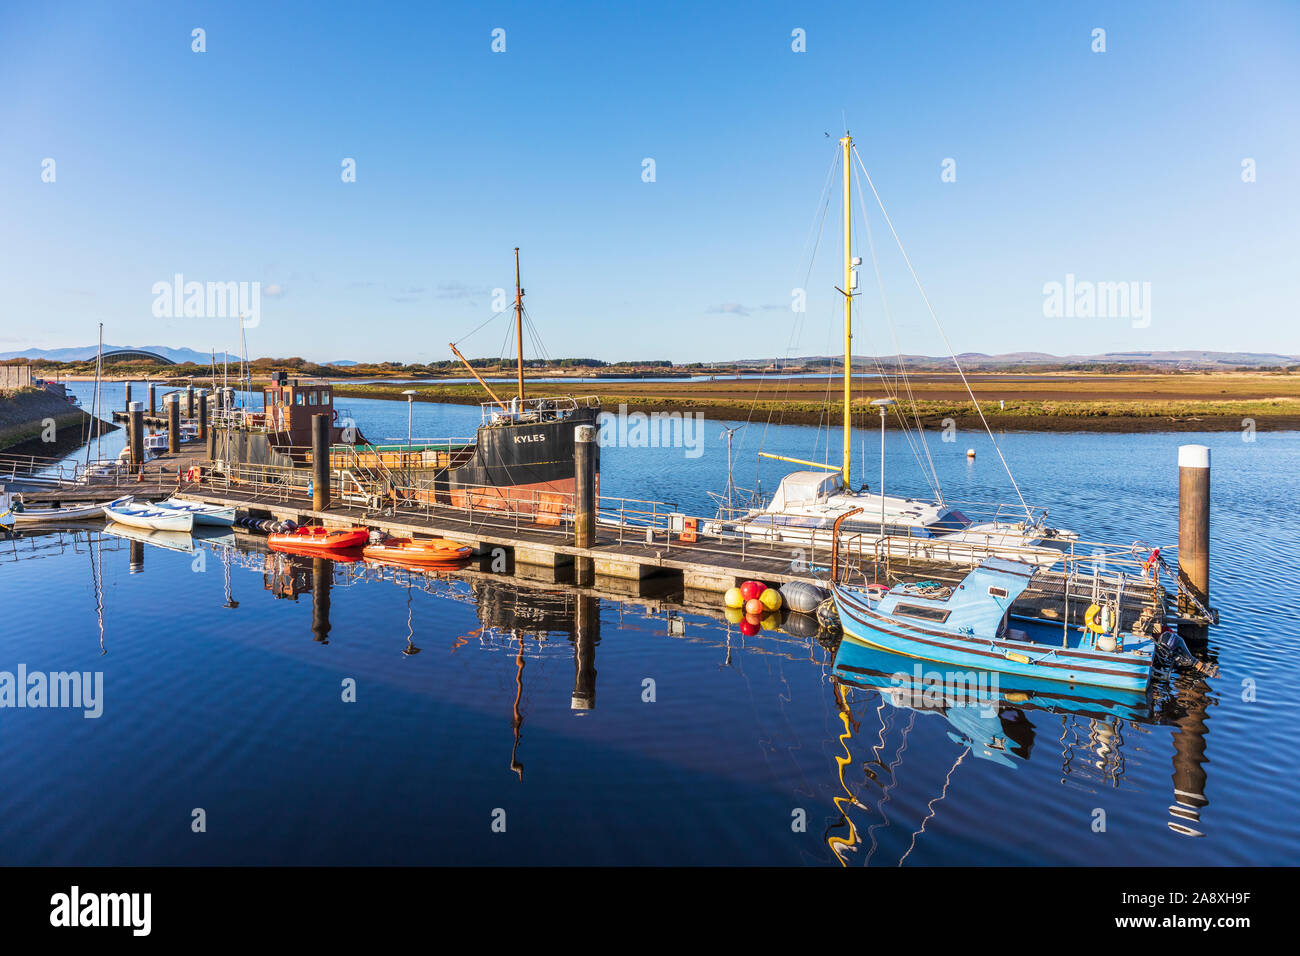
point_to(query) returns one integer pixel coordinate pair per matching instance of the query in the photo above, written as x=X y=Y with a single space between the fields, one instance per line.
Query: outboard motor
x=1174 y=650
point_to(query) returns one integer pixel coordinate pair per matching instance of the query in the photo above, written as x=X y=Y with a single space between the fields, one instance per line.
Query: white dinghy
x=72 y=512
x=149 y=517
x=221 y=515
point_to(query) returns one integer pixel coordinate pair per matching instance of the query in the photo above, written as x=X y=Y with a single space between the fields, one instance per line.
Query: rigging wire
x=494 y=315
x=926 y=299
x=819 y=224
x=933 y=477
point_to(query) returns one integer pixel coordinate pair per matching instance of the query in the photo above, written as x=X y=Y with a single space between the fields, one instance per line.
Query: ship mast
x=519 y=327
x=846 y=141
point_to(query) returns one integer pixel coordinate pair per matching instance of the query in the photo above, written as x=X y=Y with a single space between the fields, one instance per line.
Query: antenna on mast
x=729 y=434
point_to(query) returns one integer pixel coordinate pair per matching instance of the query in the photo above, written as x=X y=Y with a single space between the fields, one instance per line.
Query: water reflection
x=988 y=718
x=894 y=734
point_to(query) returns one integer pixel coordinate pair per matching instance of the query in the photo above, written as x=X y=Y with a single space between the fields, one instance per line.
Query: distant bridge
x=138 y=354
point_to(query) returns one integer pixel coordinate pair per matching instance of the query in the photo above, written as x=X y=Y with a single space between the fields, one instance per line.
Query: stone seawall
x=25 y=414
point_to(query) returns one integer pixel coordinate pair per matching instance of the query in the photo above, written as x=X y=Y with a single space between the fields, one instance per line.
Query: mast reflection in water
x=227 y=695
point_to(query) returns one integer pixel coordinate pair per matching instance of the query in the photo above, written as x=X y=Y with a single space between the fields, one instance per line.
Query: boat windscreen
x=950 y=520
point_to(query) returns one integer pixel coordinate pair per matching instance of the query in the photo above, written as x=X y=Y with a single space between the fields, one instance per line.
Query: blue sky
x=225 y=166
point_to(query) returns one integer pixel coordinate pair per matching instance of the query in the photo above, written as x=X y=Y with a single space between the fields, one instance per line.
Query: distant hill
x=1185 y=358
x=88 y=352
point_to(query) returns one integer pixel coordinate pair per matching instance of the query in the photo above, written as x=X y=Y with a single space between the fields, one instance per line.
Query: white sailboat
x=807 y=504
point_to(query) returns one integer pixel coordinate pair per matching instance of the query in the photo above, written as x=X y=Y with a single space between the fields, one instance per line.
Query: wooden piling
x=135 y=432
x=584 y=500
x=1193 y=528
x=586 y=635
x=127 y=404
x=173 y=424
x=320 y=462
x=322 y=579
x=153 y=403
x=189 y=401
x=203 y=417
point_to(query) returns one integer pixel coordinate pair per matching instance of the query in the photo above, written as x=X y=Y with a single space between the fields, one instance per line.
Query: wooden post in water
x=203 y=416
x=127 y=405
x=135 y=431
x=320 y=462
x=586 y=635
x=189 y=401
x=153 y=404
x=584 y=501
x=173 y=404
x=1193 y=528
x=322 y=579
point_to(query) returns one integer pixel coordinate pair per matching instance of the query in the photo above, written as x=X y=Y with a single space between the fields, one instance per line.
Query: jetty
x=634 y=548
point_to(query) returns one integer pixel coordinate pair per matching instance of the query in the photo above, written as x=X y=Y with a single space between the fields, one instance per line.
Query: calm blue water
x=238 y=710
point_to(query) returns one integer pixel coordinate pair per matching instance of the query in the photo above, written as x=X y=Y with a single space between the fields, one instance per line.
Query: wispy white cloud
x=737 y=308
x=459 y=290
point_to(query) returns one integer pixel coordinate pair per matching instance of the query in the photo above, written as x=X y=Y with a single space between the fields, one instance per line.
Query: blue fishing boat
x=970 y=625
x=909 y=682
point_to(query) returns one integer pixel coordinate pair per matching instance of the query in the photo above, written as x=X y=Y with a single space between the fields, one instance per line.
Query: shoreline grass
x=1013 y=415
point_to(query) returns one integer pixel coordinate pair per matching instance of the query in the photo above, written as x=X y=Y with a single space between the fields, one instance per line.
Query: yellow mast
x=846 y=141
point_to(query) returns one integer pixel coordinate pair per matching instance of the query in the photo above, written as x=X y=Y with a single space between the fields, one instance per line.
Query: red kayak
x=346 y=556
x=320 y=539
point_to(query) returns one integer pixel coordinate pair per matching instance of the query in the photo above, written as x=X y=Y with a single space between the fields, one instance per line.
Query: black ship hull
x=523 y=466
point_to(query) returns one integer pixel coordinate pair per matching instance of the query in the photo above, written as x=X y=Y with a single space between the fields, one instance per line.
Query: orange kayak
x=411 y=551
x=320 y=539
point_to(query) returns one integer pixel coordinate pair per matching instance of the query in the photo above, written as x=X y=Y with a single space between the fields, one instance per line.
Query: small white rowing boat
x=171 y=540
x=149 y=517
x=203 y=513
x=66 y=513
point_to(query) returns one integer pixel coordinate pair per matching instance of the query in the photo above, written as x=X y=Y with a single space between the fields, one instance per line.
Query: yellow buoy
x=733 y=598
x=771 y=599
